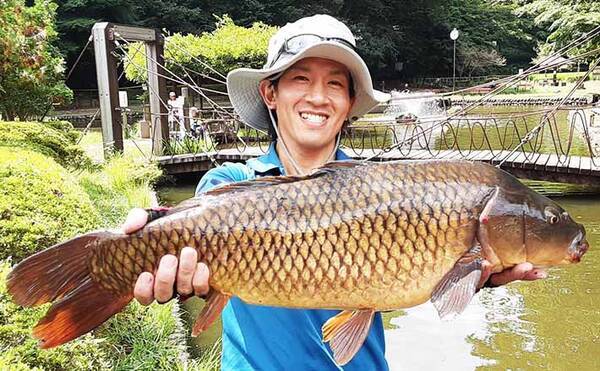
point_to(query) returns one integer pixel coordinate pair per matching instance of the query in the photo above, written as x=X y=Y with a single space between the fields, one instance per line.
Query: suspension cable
x=509 y=82
x=178 y=80
x=533 y=132
x=199 y=60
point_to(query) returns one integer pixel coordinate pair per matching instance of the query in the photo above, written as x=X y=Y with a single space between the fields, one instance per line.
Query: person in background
x=312 y=84
x=176 y=126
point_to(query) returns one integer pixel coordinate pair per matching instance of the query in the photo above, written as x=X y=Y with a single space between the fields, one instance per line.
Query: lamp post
x=454 y=35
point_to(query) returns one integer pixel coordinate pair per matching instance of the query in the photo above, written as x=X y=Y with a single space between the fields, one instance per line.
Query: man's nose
x=317 y=93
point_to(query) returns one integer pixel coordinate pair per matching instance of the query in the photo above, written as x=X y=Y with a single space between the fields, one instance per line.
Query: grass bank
x=48 y=200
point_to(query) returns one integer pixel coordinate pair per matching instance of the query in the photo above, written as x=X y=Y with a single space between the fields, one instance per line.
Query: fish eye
x=552 y=216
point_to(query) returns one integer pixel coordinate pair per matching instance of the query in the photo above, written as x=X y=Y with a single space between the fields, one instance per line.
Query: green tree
x=228 y=47
x=565 y=22
x=488 y=27
x=31 y=68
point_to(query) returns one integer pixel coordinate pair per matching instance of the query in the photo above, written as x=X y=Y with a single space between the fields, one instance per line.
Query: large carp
x=357 y=236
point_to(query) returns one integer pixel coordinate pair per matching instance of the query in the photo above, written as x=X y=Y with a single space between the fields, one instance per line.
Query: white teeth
x=313 y=118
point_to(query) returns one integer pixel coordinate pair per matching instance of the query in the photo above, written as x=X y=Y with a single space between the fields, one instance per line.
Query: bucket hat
x=319 y=36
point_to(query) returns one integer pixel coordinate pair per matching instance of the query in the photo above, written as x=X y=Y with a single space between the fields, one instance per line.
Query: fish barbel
x=362 y=237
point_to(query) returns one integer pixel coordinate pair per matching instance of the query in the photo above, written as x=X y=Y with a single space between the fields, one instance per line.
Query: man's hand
x=189 y=276
x=522 y=271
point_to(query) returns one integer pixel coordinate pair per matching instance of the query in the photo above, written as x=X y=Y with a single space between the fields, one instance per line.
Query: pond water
x=549 y=324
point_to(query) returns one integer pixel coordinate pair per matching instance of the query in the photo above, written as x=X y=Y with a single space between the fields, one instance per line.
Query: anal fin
x=215 y=302
x=454 y=292
x=346 y=332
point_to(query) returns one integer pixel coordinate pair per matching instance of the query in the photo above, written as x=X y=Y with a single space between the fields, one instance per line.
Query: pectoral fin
x=215 y=302
x=346 y=332
x=454 y=292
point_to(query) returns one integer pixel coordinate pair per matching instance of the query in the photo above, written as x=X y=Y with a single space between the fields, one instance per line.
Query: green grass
x=39 y=194
x=134 y=147
x=189 y=145
x=560 y=76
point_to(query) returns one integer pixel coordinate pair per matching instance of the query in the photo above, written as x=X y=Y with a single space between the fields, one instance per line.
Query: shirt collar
x=270 y=160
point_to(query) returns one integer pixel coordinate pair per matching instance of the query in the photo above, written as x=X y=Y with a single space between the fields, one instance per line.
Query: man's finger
x=165 y=278
x=187 y=266
x=136 y=219
x=144 y=288
x=200 y=280
x=535 y=274
x=486 y=271
x=518 y=272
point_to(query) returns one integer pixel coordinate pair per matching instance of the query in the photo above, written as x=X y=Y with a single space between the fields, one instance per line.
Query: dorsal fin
x=256 y=183
x=338 y=165
x=186 y=204
x=274 y=180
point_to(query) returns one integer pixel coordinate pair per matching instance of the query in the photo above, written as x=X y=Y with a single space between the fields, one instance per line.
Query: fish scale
x=366 y=236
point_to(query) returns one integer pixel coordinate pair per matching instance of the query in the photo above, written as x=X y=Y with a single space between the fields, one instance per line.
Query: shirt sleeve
x=228 y=172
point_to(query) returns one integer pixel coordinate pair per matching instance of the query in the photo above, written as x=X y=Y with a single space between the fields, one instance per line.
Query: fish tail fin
x=62 y=273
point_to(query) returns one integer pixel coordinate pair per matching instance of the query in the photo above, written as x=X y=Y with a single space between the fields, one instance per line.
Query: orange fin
x=53 y=273
x=78 y=313
x=454 y=292
x=346 y=332
x=61 y=273
x=215 y=302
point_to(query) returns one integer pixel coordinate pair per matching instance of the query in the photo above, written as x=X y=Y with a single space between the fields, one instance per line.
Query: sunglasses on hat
x=296 y=44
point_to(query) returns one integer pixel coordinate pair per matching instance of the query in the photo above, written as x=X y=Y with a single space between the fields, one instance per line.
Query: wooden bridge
x=565 y=169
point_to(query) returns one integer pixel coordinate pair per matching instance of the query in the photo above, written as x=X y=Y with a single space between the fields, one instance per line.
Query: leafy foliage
x=45 y=138
x=487 y=29
x=121 y=184
x=229 y=46
x=30 y=67
x=477 y=60
x=565 y=21
x=41 y=203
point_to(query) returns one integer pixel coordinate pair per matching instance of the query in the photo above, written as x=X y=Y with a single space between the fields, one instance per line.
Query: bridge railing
x=569 y=131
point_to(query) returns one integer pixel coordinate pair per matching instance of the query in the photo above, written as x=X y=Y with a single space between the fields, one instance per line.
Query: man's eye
x=301 y=78
x=336 y=83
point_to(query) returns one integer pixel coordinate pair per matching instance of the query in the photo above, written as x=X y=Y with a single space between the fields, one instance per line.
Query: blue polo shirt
x=273 y=338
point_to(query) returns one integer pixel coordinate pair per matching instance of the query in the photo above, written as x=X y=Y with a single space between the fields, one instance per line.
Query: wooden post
x=106 y=73
x=108 y=84
x=157 y=88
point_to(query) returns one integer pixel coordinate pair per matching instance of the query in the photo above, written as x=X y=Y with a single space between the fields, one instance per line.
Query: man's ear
x=267 y=92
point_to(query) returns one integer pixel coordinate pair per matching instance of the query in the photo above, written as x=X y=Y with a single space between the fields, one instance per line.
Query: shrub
x=41 y=203
x=31 y=68
x=52 y=139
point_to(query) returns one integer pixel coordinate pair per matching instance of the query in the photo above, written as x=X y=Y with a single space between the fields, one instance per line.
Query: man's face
x=312 y=100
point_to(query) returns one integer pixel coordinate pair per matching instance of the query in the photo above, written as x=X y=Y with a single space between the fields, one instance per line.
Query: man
x=175 y=117
x=312 y=83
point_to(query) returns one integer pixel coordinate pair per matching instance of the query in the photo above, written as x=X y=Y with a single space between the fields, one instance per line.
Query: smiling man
x=313 y=82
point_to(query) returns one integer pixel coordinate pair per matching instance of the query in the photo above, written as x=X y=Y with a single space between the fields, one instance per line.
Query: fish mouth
x=579 y=246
